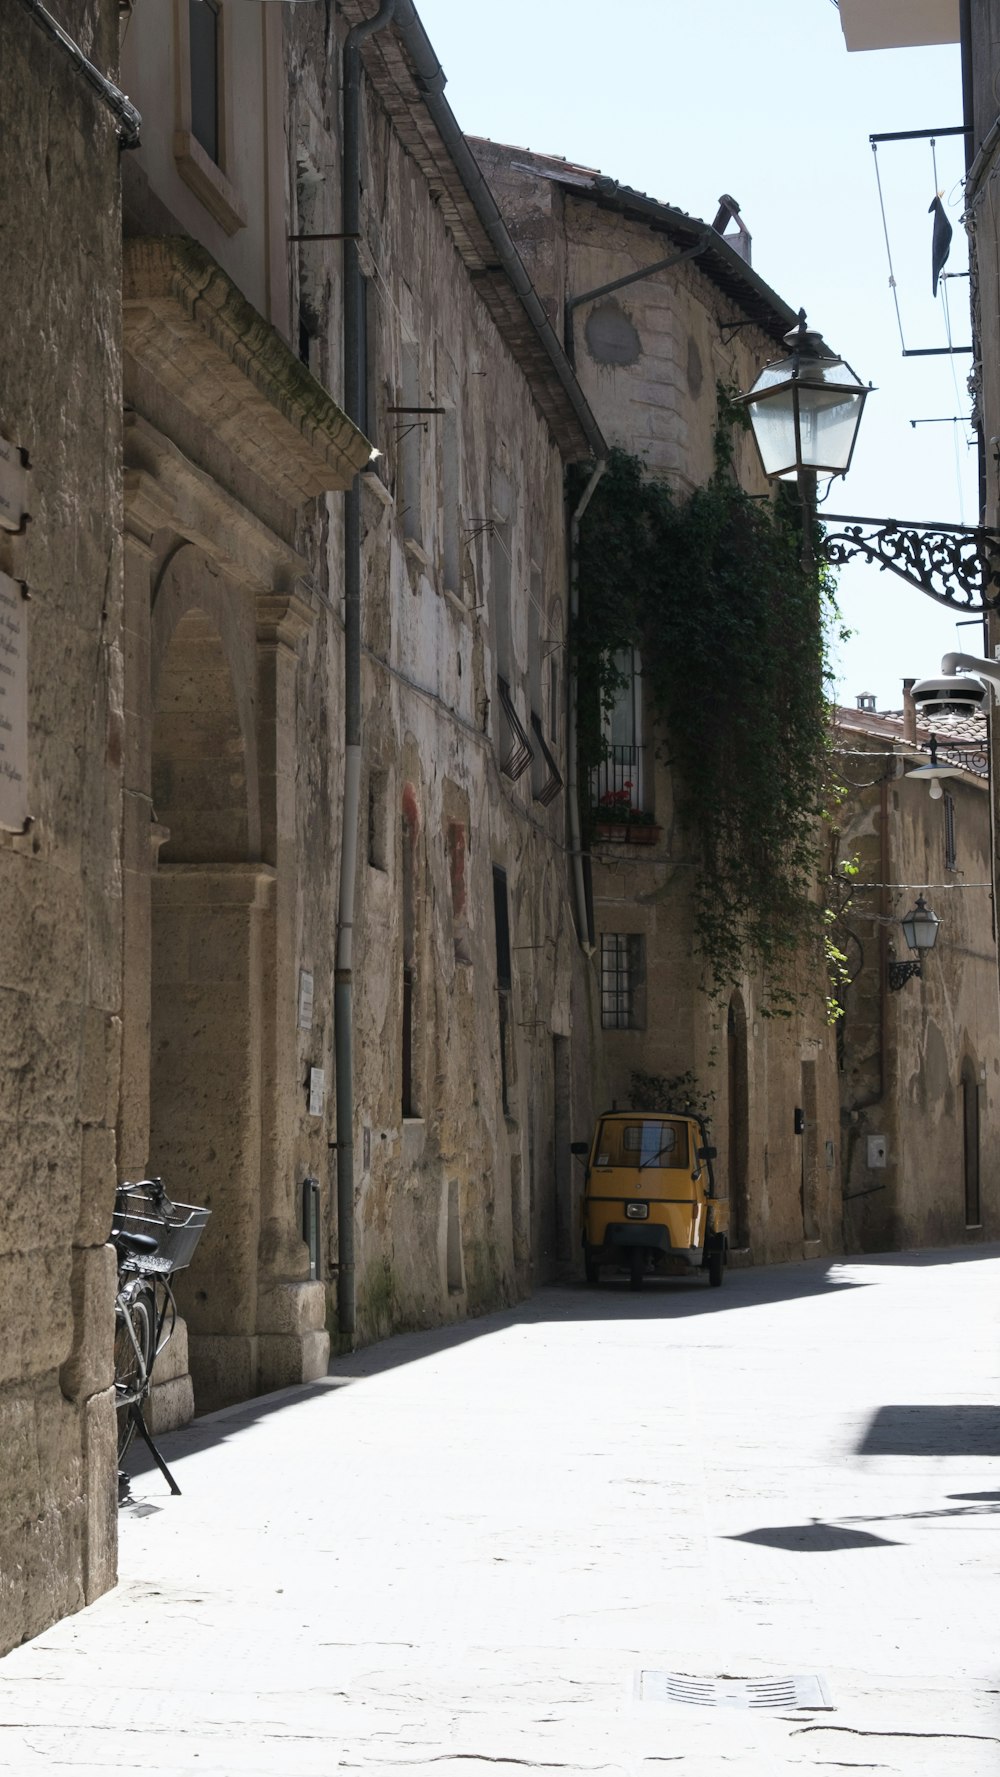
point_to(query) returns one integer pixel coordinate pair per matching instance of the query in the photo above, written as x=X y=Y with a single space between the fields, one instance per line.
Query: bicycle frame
x=135 y=1275
x=153 y=1237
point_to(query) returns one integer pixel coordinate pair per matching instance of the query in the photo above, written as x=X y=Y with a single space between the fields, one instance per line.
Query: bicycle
x=153 y=1238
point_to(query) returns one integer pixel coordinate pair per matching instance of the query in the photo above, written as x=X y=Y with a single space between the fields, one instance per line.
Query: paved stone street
x=459 y=1553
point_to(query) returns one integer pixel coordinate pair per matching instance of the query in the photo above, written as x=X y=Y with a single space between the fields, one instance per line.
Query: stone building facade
x=234 y=453
x=61 y=739
x=975 y=26
x=649 y=355
x=466 y=1068
x=171 y=951
x=919 y=1057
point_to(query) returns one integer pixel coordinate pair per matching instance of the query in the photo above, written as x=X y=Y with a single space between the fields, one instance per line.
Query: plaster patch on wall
x=932 y=1081
x=610 y=335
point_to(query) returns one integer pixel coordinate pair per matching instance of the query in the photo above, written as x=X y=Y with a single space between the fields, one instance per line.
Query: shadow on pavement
x=932 y=1431
x=815 y=1538
x=677 y=1299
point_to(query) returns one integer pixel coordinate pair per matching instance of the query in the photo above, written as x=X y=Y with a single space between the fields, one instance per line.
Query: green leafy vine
x=731 y=632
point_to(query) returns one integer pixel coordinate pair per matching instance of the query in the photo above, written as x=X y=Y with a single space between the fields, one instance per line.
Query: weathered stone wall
x=461 y=1202
x=60 y=884
x=918 y=1058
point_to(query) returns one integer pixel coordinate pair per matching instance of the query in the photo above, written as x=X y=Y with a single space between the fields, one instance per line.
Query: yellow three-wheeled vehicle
x=649 y=1199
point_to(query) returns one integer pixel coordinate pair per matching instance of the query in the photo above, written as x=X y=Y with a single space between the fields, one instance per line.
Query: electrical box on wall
x=877 y=1150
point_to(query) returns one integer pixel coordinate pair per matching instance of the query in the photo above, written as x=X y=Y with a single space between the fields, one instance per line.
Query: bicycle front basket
x=176 y=1227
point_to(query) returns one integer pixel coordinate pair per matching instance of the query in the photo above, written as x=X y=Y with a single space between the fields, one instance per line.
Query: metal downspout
x=121 y=107
x=343 y=999
x=572 y=775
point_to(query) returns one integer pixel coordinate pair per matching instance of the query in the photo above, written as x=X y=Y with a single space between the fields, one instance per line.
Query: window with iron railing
x=617 y=783
x=623 y=981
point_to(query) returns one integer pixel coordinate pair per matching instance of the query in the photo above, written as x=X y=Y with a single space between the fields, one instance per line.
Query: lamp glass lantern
x=920 y=927
x=805 y=409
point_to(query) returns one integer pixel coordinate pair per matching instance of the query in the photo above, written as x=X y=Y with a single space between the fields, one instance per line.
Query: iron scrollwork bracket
x=901 y=973
x=958 y=565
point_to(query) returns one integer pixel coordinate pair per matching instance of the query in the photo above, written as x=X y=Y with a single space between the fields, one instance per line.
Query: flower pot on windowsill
x=610 y=830
x=647 y=834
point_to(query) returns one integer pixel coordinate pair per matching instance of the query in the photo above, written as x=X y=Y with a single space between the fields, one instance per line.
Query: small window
x=378 y=796
x=457 y=847
x=203 y=24
x=451 y=541
x=502 y=926
x=950 y=855
x=623 y=957
x=410 y=428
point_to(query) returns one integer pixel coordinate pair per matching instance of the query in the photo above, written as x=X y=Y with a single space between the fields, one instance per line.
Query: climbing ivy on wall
x=731 y=631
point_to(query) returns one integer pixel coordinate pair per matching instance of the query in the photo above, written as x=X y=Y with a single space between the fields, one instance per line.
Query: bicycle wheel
x=133 y=1357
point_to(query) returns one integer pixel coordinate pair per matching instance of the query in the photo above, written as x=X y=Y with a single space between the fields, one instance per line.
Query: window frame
x=200 y=173
x=623 y=981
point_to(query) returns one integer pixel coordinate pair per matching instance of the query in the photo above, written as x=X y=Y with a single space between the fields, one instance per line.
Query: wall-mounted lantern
x=920 y=929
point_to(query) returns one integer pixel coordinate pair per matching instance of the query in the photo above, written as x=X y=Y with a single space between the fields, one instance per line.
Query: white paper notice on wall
x=13 y=705
x=305 y=1000
x=317 y=1091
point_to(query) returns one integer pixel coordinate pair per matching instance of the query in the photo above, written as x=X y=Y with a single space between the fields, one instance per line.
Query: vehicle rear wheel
x=636 y=1268
x=139 y=1313
x=716 y=1262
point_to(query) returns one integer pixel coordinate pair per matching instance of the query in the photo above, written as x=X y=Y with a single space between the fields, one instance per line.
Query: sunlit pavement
x=459 y=1553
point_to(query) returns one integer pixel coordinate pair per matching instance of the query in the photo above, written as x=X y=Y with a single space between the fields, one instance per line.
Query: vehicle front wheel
x=716 y=1262
x=591 y=1270
x=636 y=1268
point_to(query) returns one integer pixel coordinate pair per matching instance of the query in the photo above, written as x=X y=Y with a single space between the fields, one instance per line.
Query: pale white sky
x=686 y=101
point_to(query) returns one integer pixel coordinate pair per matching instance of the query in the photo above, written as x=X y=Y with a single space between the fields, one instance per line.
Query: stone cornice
x=164 y=490
x=190 y=329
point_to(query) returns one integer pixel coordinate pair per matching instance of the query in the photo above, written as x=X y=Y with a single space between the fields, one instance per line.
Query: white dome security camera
x=955 y=695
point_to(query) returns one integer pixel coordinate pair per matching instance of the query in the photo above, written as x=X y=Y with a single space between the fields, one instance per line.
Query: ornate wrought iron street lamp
x=920 y=929
x=805 y=410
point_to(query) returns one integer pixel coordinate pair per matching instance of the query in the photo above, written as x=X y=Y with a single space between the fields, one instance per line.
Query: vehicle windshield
x=649 y=1141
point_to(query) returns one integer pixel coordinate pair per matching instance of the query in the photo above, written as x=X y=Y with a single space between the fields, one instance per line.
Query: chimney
x=729 y=211
x=909 y=712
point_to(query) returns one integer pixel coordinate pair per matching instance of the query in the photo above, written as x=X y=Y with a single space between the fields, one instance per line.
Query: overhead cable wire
x=888 y=248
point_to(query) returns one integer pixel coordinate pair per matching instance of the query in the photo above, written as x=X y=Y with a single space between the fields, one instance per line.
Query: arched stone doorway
x=208 y=960
x=738 y=1131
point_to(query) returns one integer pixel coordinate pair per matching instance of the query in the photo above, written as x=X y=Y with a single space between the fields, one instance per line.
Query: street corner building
x=660 y=310
x=918 y=1049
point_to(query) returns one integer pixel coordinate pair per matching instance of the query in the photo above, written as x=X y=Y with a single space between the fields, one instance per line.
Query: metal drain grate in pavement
x=734 y=1693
